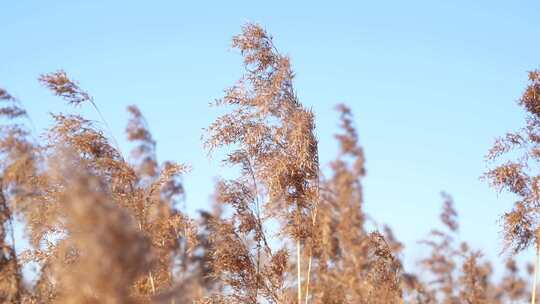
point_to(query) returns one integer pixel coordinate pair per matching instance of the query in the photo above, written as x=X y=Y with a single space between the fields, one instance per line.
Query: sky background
x=431 y=84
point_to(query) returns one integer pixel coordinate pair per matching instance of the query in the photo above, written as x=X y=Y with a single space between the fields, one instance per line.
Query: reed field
x=105 y=226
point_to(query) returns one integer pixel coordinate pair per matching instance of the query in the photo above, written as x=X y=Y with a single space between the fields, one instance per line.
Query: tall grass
x=106 y=228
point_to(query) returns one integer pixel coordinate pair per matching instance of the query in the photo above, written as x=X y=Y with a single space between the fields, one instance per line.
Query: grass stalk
x=535 y=280
x=298 y=270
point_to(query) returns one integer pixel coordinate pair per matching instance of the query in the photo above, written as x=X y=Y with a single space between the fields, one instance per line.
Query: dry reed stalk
x=536 y=261
x=308 y=276
x=274 y=143
x=310 y=260
x=298 y=271
x=518 y=176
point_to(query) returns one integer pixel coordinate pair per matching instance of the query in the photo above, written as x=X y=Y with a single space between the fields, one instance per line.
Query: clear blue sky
x=431 y=83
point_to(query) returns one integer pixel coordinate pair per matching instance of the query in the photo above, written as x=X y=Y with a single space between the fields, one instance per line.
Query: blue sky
x=431 y=84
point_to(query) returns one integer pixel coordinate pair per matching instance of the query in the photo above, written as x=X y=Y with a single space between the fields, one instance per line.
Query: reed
x=105 y=227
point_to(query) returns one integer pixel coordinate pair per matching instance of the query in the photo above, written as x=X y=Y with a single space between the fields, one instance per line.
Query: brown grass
x=106 y=228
